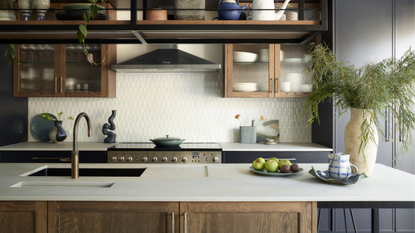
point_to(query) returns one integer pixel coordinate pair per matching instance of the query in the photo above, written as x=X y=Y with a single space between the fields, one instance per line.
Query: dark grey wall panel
x=14 y=111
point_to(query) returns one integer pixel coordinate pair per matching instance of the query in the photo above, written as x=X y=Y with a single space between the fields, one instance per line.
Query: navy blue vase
x=58 y=134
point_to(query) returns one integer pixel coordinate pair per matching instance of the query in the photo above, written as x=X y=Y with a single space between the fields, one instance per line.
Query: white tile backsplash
x=185 y=105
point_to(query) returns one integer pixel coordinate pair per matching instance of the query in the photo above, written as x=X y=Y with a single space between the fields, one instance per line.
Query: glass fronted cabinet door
x=37 y=72
x=82 y=79
x=250 y=70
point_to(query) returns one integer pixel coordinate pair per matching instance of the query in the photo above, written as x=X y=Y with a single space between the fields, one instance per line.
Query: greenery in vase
x=388 y=85
x=48 y=117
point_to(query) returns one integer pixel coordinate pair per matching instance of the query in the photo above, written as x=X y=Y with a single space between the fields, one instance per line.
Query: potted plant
x=57 y=134
x=368 y=92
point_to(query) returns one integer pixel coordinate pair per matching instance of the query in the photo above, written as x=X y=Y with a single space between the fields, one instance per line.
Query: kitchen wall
x=185 y=105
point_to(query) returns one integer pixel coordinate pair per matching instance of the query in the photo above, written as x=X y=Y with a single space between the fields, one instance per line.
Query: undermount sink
x=102 y=172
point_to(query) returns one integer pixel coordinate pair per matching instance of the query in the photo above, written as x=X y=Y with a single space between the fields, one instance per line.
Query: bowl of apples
x=275 y=167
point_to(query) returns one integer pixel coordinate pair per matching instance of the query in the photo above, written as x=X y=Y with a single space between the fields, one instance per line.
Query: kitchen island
x=196 y=196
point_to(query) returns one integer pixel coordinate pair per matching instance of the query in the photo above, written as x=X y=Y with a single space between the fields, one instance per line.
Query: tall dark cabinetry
x=14 y=111
x=372 y=30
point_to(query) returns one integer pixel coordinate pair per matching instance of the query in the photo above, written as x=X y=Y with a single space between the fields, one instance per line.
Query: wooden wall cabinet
x=63 y=71
x=267 y=75
x=59 y=70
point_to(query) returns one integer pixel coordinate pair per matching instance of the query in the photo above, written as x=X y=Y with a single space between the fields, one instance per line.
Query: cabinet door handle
x=172 y=222
x=270 y=85
x=61 y=84
x=185 y=223
x=281 y=158
x=56 y=84
x=61 y=159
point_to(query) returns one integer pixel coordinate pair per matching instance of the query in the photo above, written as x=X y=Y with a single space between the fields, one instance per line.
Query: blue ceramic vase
x=58 y=134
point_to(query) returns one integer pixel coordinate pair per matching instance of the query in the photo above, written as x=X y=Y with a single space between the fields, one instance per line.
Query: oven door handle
x=67 y=159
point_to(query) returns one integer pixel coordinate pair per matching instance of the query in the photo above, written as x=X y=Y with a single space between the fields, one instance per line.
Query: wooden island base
x=147 y=217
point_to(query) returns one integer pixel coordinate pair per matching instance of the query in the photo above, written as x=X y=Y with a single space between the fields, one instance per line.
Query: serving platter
x=39 y=128
x=264 y=172
x=324 y=176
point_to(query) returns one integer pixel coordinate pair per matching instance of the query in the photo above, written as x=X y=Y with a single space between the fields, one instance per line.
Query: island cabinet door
x=23 y=216
x=240 y=217
x=103 y=217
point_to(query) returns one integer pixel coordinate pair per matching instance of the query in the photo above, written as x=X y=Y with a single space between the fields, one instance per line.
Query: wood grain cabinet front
x=265 y=71
x=23 y=216
x=258 y=217
x=138 y=217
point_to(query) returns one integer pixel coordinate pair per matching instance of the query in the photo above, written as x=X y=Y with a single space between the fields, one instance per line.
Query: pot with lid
x=167 y=141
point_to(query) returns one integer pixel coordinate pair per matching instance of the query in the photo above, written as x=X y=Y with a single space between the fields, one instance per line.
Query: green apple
x=271 y=165
x=259 y=163
x=282 y=162
x=273 y=158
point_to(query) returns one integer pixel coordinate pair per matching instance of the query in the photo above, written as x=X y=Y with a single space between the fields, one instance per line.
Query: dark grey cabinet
x=250 y=156
x=51 y=156
x=364 y=31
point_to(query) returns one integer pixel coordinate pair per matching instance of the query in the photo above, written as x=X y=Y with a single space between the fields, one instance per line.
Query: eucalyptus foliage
x=376 y=88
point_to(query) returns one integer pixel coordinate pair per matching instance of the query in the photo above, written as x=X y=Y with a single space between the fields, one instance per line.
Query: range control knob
x=144 y=159
x=121 y=159
x=129 y=159
x=184 y=159
x=154 y=159
x=114 y=159
x=215 y=159
x=164 y=159
x=174 y=159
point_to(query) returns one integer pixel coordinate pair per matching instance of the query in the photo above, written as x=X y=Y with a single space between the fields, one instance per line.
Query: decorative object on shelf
x=39 y=128
x=340 y=167
x=156 y=14
x=76 y=12
x=268 y=131
x=291 y=16
x=368 y=91
x=111 y=126
x=280 y=13
x=230 y=9
x=57 y=134
x=26 y=6
x=324 y=176
x=41 y=7
x=191 y=12
x=7 y=14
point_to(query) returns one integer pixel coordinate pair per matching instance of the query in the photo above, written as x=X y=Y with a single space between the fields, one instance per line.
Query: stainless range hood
x=166 y=59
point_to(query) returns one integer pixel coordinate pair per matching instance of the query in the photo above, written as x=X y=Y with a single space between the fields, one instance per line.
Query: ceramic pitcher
x=339 y=166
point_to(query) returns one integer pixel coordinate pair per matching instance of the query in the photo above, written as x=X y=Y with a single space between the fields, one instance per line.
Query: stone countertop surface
x=49 y=146
x=300 y=146
x=216 y=182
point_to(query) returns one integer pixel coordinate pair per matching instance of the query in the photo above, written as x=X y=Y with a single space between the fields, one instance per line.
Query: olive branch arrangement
x=49 y=117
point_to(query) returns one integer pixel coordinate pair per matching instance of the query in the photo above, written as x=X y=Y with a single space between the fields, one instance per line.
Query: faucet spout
x=75 y=152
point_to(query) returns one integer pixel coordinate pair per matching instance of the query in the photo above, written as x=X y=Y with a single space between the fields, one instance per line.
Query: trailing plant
x=376 y=88
x=10 y=53
x=82 y=30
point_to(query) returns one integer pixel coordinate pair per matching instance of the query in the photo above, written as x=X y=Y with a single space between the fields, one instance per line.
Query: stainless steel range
x=147 y=152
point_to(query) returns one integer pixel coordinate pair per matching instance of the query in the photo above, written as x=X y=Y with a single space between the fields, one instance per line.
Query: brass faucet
x=75 y=152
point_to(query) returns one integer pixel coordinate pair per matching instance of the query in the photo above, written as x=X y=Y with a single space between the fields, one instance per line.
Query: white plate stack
x=295 y=79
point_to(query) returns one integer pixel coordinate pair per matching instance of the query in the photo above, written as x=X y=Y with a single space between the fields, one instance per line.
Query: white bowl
x=245 y=87
x=244 y=57
x=307 y=88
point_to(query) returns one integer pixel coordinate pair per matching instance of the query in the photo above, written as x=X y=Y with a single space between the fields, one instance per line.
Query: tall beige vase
x=352 y=141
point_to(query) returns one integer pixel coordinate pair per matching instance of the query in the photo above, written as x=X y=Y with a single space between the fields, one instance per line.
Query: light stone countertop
x=49 y=146
x=216 y=182
x=300 y=146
